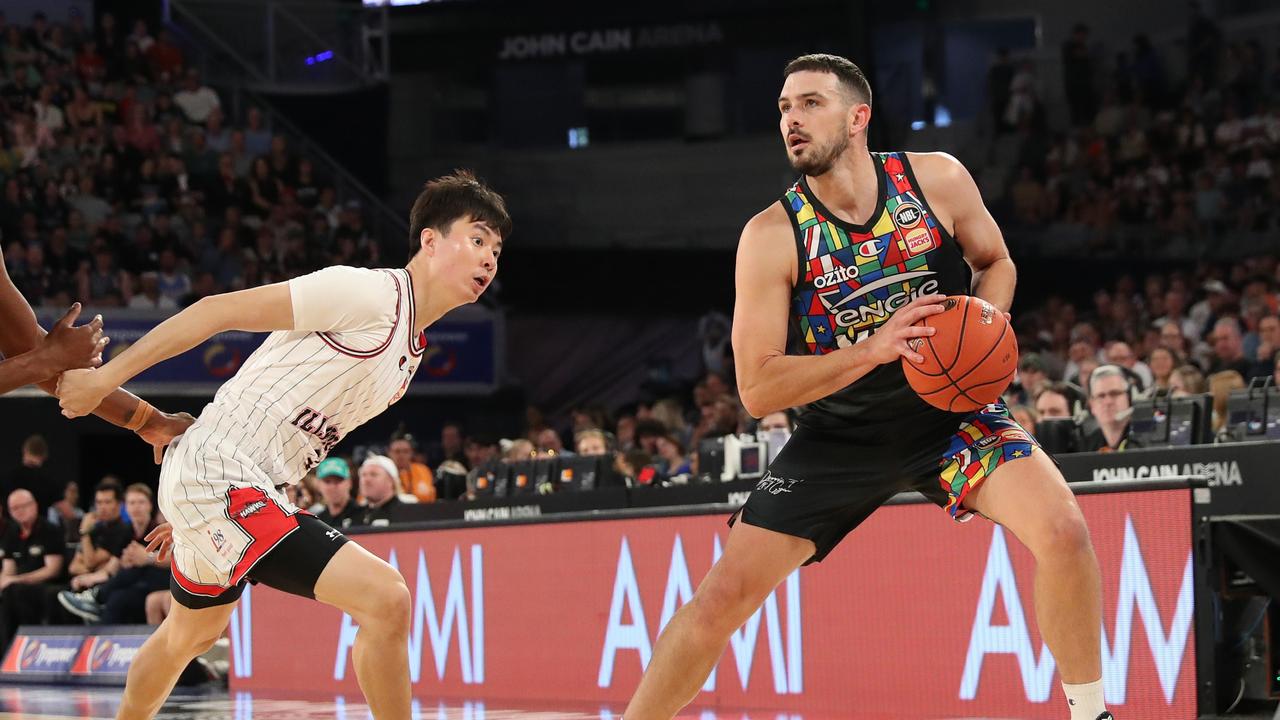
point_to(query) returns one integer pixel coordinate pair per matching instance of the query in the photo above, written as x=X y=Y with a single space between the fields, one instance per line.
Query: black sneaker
x=83 y=604
x=1106 y=716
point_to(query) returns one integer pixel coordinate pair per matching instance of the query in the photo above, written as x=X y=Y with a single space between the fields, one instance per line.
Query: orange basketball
x=969 y=361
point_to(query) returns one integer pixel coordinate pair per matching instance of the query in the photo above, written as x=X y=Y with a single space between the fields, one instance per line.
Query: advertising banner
x=912 y=616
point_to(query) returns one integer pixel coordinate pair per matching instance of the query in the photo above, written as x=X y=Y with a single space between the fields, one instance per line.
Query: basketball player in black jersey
x=829 y=283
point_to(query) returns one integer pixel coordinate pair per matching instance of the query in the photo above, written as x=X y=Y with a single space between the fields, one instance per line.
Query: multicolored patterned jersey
x=853 y=277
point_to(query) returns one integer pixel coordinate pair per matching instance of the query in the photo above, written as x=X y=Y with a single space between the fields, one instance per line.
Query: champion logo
x=251 y=508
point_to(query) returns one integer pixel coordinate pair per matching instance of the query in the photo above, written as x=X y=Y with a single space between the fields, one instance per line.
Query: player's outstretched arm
x=769 y=380
x=260 y=309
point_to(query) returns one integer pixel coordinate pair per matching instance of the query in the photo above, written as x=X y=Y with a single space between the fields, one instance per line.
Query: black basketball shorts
x=822 y=486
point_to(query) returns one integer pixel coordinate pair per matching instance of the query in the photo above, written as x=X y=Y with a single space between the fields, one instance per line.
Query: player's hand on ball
x=80 y=392
x=893 y=338
x=68 y=346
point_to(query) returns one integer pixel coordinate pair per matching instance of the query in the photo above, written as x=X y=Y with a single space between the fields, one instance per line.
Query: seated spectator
x=775 y=429
x=1228 y=348
x=1110 y=398
x=31 y=474
x=32 y=552
x=636 y=466
x=133 y=575
x=1162 y=362
x=591 y=442
x=519 y=449
x=1054 y=401
x=1025 y=415
x=1220 y=386
x=103 y=536
x=1032 y=375
x=480 y=449
x=196 y=100
x=672 y=459
x=1187 y=380
x=415 y=478
x=340 y=508
x=1121 y=353
x=378 y=482
x=67 y=514
x=450 y=447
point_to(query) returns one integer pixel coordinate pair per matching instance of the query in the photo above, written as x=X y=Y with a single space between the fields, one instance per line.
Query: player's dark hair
x=449 y=198
x=111 y=485
x=851 y=76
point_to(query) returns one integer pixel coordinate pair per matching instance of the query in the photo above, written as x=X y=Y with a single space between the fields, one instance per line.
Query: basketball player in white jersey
x=344 y=345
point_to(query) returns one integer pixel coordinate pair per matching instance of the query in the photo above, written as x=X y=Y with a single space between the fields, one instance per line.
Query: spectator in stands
x=1187 y=380
x=378 y=483
x=257 y=138
x=720 y=417
x=480 y=449
x=1228 y=348
x=1032 y=376
x=1268 y=345
x=450 y=446
x=647 y=433
x=415 y=478
x=340 y=509
x=1121 y=353
x=1220 y=386
x=32 y=552
x=520 y=449
x=549 y=443
x=591 y=442
x=134 y=574
x=625 y=431
x=671 y=458
x=196 y=100
x=164 y=55
x=636 y=466
x=1162 y=362
x=103 y=536
x=1110 y=399
x=1054 y=401
x=66 y=513
x=31 y=474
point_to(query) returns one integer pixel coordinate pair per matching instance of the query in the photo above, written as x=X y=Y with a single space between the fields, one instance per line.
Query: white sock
x=1085 y=700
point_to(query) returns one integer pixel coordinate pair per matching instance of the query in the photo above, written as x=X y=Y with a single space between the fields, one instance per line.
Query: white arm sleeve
x=344 y=300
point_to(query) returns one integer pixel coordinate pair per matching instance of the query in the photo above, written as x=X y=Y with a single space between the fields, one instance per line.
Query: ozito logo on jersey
x=311 y=421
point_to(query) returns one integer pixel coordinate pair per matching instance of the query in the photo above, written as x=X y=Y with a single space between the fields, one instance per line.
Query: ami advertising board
x=913 y=616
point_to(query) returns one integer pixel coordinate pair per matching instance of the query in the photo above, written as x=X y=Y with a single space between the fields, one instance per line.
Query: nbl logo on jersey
x=907 y=215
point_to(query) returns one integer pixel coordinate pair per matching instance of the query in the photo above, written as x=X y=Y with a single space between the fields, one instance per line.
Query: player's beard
x=817 y=160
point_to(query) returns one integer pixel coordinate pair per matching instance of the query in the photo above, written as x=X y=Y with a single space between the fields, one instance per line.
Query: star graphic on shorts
x=1017 y=453
x=900 y=177
x=821 y=330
